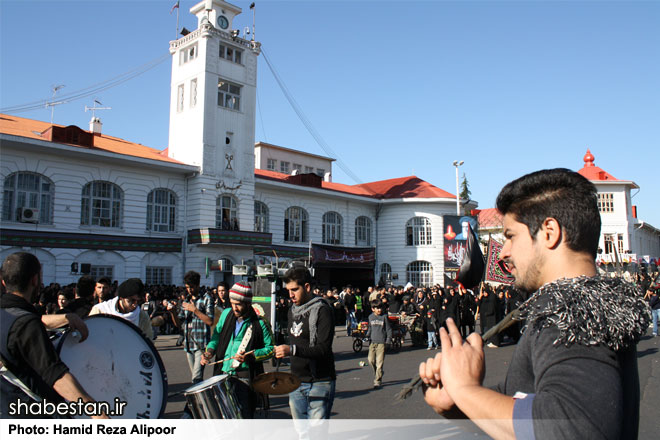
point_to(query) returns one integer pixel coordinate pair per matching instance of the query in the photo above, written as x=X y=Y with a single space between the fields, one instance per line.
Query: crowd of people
x=558 y=290
x=471 y=309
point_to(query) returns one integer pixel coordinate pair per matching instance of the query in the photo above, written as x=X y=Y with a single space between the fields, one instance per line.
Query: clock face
x=223 y=22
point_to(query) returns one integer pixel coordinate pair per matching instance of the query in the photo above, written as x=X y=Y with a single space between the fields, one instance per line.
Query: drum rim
x=211 y=381
x=151 y=345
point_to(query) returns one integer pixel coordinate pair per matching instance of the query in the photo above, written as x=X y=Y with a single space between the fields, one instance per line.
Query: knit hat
x=241 y=292
x=130 y=287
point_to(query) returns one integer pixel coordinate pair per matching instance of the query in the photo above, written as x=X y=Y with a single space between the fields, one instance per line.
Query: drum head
x=205 y=384
x=117 y=361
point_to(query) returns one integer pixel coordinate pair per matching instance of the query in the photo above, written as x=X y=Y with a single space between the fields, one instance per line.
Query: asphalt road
x=356 y=399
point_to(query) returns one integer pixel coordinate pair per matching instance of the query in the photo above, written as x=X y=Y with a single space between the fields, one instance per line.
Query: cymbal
x=277 y=382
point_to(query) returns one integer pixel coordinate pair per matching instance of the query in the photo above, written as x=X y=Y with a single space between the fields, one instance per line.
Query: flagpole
x=177 y=22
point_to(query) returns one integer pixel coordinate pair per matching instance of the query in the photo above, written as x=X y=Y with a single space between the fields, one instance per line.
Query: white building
x=621 y=231
x=87 y=202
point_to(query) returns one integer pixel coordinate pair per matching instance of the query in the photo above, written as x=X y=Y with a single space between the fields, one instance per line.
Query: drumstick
x=231 y=357
x=416 y=381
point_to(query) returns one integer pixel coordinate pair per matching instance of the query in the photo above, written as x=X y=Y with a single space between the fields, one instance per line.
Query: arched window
x=295 y=224
x=419 y=273
x=26 y=192
x=161 y=210
x=418 y=231
x=260 y=217
x=363 y=231
x=332 y=228
x=226 y=213
x=101 y=204
x=385 y=273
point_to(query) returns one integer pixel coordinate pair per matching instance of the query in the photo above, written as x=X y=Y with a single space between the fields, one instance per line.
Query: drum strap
x=244 y=343
x=15 y=381
x=8 y=317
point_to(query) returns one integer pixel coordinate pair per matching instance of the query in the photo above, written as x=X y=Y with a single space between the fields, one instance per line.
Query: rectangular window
x=179 y=99
x=309 y=170
x=609 y=244
x=193 y=92
x=188 y=54
x=297 y=166
x=320 y=172
x=231 y=54
x=158 y=275
x=270 y=164
x=620 y=244
x=229 y=95
x=101 y=271
x=606 y=202
x=284 y=167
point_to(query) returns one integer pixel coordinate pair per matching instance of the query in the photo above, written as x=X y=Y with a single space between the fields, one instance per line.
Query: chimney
x=95 y=125
x=327 y=177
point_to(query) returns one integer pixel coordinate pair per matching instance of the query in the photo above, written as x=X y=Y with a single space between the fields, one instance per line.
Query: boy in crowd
x=380 y=334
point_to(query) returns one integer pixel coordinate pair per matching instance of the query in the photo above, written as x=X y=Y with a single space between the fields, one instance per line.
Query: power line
x=90 y=90
x=261 y=117
x=307 y=123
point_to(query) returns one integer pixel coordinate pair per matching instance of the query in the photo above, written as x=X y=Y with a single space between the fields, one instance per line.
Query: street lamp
x=458 y=207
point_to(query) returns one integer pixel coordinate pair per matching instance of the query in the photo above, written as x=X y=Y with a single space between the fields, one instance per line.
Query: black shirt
x=317 y=363
x=37 y=363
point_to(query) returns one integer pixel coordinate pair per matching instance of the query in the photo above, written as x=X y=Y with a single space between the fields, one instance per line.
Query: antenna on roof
x=94 y=108
x=254 y=13
x=53 y=103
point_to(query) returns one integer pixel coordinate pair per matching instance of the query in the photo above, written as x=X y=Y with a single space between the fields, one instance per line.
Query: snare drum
x=117 y=361
x=214 y=398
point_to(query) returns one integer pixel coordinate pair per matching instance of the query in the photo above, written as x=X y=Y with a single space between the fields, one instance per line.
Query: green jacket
x=260 y=354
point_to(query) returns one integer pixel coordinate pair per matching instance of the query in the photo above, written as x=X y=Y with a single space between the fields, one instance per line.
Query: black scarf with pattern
x=589 y=311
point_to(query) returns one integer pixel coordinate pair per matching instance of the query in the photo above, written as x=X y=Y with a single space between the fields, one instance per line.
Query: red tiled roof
x=405 y=187
x=30 y=128
x=402 y=187
x=592 y=172
x=489 y=218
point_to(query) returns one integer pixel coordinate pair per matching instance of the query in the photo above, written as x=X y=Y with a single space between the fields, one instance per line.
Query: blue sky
x=394 y=88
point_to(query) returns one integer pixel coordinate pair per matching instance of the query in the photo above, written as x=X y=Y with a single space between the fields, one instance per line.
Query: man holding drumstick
x=574 y=372
x=242 y=340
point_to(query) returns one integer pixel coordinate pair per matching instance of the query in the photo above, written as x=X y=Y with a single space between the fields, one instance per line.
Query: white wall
x=278 y=201
x=263 y=153
x=69 y=174
x=392 y=248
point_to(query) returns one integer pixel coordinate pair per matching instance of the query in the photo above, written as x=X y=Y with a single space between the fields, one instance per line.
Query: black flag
x=472 y=268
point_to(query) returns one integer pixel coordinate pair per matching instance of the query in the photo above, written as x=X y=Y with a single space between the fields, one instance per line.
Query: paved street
x=356 y=399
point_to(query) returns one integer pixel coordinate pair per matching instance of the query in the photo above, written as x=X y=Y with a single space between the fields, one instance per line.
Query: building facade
x=87 y=202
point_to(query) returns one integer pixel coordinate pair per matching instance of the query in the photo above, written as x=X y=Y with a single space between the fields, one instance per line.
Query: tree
x=465 y=189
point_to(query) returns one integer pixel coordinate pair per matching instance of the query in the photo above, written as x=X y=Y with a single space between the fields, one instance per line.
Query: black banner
x=336 y=256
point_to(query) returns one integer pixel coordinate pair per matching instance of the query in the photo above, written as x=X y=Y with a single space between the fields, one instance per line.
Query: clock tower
x=212 y=114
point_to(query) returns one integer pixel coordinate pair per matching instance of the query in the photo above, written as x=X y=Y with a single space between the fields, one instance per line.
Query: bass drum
x=117 y=361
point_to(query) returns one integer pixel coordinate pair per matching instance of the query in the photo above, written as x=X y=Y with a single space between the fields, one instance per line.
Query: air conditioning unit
x=28 y=215
x=239 y=269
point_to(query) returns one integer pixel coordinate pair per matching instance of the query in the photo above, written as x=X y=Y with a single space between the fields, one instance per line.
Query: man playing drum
x=130 y=294
x=24 y=344
x=245 y=340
